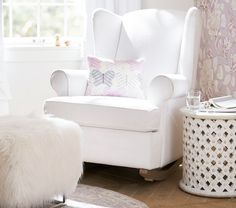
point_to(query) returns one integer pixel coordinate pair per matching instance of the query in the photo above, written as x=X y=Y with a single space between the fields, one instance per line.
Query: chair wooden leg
x=160 y=174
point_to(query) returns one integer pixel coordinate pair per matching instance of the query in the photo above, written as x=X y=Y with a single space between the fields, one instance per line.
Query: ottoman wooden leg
x=64 y=198
x=59 y=203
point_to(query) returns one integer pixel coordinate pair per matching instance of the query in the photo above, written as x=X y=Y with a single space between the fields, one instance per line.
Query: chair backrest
x=167 y=40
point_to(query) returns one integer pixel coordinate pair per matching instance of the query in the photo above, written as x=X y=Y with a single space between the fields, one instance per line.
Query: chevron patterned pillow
x=115 y=78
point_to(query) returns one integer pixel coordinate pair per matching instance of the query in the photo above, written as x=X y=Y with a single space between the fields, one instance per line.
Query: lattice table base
x=209 y=157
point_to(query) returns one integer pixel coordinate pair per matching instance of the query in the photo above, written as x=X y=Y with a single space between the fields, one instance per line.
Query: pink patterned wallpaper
x=217 y=58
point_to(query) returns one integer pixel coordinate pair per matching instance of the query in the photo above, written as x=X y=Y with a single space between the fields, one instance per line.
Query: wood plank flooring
x=164 y=194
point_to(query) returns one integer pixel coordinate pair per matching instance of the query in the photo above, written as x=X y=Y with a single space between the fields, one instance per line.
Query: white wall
x=3 y=82
x=168 y=4
x=29 y=71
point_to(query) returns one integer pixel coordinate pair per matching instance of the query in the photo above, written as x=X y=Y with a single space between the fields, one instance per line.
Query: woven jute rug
x=87 y=196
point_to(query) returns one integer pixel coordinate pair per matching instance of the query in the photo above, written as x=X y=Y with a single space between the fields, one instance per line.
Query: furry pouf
x=39 y=158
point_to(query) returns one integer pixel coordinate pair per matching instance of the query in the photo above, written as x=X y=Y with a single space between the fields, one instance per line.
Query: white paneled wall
x=4 y=94
x=29 y=71
x=1 y=46
x=168 y=4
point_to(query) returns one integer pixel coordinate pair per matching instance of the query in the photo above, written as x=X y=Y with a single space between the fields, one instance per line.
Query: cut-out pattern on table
x=209 y=156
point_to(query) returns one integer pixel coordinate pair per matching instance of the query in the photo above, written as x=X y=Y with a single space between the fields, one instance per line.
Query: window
x=38 y=20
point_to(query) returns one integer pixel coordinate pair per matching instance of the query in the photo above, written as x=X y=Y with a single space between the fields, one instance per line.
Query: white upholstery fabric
x=190 y=46
x=122 y=148
x=110 y=35
x=164 y=87
x=133 y=133
x=154 y=35
x=119 y=7
x=69 y=82
x=106 y=112
x=130 y=37
x=136 y=149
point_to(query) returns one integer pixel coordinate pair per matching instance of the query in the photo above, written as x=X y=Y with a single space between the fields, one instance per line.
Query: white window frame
x=38 y=39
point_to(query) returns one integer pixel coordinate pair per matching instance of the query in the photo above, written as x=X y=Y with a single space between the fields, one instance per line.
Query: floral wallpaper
x=217 y=58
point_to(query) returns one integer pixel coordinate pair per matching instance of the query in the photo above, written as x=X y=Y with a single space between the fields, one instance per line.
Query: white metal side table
x=209 y=153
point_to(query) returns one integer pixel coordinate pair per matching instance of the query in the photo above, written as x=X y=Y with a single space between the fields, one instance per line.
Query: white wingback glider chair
x=129 y=132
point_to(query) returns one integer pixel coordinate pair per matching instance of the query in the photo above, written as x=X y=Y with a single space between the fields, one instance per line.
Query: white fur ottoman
x=39 y=158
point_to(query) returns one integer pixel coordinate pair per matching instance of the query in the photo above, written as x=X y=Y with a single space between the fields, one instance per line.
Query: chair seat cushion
x=106 y=112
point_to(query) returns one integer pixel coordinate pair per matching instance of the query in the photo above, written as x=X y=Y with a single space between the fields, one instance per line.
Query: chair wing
x=106 y=26
x=158 y=36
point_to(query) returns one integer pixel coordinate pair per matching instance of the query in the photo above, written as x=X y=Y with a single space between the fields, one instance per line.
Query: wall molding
x=42 y=54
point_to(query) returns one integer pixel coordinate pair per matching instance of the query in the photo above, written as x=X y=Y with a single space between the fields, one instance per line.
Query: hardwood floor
x=162 y=194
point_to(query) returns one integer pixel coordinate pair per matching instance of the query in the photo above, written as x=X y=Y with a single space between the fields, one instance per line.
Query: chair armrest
x=69 y=82
x=167 y=86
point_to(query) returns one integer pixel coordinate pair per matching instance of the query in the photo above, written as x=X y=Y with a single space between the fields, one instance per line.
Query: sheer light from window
x=42 y=19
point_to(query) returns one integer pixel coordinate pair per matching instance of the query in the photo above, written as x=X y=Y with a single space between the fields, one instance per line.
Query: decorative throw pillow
x=115 y=78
